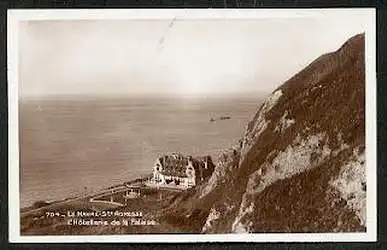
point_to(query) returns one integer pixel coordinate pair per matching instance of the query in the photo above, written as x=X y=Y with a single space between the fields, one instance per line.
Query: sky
x=181 y=57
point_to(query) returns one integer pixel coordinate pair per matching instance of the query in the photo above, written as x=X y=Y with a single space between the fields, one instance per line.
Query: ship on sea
x=220 y=118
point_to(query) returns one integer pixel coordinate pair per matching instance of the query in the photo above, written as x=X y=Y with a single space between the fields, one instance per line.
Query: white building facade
x=187 y=180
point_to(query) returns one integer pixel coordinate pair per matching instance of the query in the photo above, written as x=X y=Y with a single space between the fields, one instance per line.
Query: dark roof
x=172 y=166
x=177 y=167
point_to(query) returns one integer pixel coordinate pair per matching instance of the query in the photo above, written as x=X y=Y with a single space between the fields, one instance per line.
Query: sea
x=70 y=146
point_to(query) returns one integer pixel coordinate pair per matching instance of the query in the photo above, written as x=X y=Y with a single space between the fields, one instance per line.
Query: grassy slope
x=326 y=97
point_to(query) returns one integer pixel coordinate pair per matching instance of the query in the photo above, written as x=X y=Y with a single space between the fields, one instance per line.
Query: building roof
x=176 y=164
x=173 y=166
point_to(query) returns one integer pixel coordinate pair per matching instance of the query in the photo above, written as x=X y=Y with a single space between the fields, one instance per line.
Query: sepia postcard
x=186 y=125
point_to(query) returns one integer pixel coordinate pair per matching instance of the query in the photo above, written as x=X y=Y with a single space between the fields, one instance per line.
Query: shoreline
x=31 y=208
x=146 y=211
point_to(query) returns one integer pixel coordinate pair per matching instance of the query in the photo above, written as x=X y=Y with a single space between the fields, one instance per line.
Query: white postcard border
x=14 y=16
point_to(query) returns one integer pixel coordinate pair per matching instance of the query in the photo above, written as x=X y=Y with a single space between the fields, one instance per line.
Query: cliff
x=300 y=166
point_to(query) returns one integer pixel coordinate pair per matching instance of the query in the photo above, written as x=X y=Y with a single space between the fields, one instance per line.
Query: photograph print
x=193 y=123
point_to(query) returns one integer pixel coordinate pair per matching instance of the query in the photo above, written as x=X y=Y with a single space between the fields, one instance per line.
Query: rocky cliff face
x=300 y=166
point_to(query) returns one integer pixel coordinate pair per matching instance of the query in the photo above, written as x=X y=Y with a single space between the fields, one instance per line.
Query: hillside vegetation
x=300 y=166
